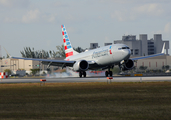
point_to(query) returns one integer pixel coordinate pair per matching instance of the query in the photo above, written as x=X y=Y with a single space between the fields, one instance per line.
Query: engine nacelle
x=128 y=64
x=81 y=65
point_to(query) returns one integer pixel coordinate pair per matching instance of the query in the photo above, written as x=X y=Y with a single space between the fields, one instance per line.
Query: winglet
x=163 y=48
x=7 y=53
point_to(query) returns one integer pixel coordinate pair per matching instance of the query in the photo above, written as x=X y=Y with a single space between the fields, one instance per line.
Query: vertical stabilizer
x=69 y=51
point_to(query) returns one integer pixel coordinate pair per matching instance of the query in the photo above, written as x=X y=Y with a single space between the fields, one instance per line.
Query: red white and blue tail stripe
x=67 y=44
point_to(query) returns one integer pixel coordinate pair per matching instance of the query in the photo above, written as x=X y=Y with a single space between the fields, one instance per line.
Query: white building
x=17 y=64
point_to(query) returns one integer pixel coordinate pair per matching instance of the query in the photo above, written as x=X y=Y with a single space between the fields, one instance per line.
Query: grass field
x=96 y=101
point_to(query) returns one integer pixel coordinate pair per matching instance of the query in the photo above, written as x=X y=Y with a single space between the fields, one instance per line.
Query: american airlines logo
x=110 y=50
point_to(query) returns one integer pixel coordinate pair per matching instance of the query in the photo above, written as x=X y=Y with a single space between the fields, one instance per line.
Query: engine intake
x=128 y=64
x=81 y=65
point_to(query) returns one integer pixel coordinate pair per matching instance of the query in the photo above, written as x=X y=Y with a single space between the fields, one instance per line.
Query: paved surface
x=88 y=79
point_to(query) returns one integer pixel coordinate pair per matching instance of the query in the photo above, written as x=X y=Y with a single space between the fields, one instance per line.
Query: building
x=93 y=45
x=105 y=44
x=18 y=64
x=155 y=63
x=143 y=46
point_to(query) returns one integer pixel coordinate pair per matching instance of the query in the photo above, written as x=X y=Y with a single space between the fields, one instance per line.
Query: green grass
x=99 y=101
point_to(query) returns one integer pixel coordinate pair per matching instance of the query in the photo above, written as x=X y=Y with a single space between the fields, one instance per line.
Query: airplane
x=100 y=58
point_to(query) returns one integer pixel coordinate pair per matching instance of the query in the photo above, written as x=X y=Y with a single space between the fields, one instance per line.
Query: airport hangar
x=140 y=47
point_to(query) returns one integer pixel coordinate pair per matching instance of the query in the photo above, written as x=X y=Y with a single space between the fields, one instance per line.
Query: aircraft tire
x=106 y=73
x=84 y=73
x=110 y=73
x=80 y=74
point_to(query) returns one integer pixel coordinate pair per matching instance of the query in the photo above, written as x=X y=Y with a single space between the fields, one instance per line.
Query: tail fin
x=69 y=51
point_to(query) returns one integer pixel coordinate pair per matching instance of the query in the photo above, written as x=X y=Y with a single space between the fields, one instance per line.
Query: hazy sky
x=37 y=23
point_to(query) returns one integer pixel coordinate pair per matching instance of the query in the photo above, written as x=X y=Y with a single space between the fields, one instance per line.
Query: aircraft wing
x=143 y=57
x=149 y=56
x=50 y=62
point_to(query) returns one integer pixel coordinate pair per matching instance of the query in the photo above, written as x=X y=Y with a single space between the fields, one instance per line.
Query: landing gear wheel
x=110 y=73
x=84 y=73
x=80 y=74
x=106 y=73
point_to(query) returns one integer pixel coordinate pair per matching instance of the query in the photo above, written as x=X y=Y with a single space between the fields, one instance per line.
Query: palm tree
x=28 y=53
x=60 y=51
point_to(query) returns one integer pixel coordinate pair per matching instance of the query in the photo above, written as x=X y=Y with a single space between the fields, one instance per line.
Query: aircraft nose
x=127 y=53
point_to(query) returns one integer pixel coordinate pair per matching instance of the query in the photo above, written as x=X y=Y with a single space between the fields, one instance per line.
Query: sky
x=37 y=23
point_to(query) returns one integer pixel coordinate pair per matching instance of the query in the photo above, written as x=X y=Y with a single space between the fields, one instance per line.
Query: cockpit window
x=123 y=48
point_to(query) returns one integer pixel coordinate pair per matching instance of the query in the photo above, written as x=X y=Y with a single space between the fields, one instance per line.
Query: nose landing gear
x=108 y=73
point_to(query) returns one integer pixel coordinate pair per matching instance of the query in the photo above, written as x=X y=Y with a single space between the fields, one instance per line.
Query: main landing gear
x=108 y=73
x=82 y=73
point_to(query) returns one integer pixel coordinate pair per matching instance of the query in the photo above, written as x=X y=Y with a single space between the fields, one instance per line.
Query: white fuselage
x=108 y=55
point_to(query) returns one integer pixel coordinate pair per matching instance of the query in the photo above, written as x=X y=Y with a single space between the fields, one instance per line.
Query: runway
x=88 y=79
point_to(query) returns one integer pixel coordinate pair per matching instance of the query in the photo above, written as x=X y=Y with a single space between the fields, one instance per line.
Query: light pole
x=42 y=63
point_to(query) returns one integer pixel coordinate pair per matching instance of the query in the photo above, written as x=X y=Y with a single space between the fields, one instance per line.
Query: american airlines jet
x=101 y=58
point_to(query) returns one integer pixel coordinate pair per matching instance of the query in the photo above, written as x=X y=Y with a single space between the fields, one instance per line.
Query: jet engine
x=81 y=65
x=128 y=64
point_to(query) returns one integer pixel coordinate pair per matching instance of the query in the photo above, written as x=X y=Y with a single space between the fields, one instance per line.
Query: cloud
x=6 y=3
x=31 y=16
x=14 y=3
x=60 y=4
x=150 y=9
x=118 y=15
x=48 y=18
x=51 y=18
x=165 y=31
x=167 y=28
x=11 y=20
x=123 y=15
x=117 y=1
x=136 y=11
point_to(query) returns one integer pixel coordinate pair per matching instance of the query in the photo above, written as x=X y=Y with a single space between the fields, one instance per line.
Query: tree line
x=31 y=53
